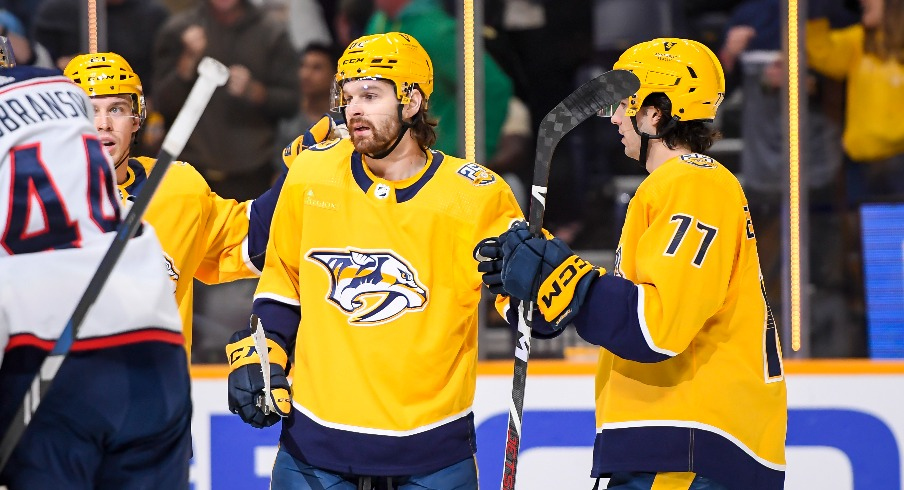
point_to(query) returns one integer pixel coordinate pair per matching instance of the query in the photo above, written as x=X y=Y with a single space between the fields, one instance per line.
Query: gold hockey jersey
x=373 y=285
x=690 y=377
x=203 y=235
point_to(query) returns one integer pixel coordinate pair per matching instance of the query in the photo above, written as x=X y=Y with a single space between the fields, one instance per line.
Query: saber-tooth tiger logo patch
x=370 y=286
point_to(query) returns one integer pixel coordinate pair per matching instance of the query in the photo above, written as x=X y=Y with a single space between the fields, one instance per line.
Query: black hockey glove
x=546 y=272
x=489 y=255
x=246 y=381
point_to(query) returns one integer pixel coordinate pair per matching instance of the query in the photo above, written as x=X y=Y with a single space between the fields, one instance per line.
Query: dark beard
x=381 y=138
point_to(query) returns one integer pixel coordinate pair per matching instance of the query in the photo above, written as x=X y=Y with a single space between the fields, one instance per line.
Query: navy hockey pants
x=116 y=418
x=292 y=474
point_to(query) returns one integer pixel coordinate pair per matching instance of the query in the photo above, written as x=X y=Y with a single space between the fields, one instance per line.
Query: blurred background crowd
x=282 y=56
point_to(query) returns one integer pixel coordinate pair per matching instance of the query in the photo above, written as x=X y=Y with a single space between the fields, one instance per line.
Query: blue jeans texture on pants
x=639 y=480
x=290 y=473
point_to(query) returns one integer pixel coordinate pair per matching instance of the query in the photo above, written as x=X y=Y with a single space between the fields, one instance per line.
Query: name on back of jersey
x=23 y=108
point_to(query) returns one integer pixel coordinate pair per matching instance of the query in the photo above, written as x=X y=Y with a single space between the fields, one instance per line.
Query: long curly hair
x=423 y=125
x=698 y=136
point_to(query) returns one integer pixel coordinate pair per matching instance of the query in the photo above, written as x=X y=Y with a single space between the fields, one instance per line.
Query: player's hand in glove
x=324 y=129
x=489 y=255
x=246 y=381
x=546 y=272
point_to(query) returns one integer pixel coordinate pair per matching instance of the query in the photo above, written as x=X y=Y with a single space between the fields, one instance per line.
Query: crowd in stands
x=282 y=55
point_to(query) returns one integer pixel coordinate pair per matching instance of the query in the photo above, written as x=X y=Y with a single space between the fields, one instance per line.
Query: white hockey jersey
x=39 y=291
x=56 y=182
x=58 y=213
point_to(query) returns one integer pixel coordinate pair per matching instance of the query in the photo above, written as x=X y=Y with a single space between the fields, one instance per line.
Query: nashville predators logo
x=372 y=287
x=171 y=270
x=325 y=145
x=698 y=160
x=478 y=175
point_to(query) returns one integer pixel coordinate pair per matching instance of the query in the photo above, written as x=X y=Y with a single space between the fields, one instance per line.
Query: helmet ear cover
x=686 y=71
x=108 y=74
x=394 y=57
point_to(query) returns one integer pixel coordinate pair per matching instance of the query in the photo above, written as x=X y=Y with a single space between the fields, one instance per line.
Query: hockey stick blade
x=587 y=100
x=211 y=74
x=605 y=90
x=264 y=401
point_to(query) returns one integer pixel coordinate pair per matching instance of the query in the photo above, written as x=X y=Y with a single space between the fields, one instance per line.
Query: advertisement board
x=883 y=277
x=845 y=427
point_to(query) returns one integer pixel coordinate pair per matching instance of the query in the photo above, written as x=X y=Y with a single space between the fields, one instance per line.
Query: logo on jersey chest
x=477 y=174
x=381 y=191
x=371 y=287
x=311 y=200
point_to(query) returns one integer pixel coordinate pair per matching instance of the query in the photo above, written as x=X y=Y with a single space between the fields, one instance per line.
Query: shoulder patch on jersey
x=477 y=174
x=698 y=160
x=324 y=145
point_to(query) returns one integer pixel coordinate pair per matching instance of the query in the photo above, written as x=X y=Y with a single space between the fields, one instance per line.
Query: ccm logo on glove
x=573 y=268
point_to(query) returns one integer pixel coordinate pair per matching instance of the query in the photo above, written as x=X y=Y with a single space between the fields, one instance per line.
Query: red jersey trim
x=95 y=343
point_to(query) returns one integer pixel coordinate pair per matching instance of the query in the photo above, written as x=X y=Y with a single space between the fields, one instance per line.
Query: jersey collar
x=406 y=189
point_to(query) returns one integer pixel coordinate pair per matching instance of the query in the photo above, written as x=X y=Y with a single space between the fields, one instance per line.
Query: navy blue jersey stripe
x=612 y=322
x=682 y=449
x=358 y=172
x=355 y=453
x=409 y=192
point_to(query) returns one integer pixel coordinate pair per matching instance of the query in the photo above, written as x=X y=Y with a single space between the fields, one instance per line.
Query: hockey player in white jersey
x=118 y=413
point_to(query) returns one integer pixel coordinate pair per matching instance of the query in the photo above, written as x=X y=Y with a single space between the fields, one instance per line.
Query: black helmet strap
x=646 y=137
x=405 y=126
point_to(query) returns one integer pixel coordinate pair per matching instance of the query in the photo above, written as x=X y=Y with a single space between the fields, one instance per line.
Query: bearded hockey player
x=368 y=282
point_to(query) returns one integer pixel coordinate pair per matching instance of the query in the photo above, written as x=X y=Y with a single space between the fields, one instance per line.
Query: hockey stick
x=264 y=401
x=212 y=74
x=605 y=90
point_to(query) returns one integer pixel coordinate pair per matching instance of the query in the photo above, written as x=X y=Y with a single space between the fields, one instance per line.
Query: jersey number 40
x=38 y=218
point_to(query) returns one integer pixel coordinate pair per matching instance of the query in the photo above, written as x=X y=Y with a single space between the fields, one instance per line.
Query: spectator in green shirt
x=436 y=30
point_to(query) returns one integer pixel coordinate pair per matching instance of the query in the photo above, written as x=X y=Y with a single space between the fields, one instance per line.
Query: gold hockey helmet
x=107 y=74
x=686 y=71
x=393 y=56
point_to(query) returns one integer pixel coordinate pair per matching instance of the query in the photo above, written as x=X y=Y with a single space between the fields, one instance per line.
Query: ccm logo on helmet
x=99 y=77
x=353 y=60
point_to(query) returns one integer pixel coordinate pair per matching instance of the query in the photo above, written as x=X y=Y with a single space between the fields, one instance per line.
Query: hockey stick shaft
x=607 y=89
x=265 y=401
x=212 y=74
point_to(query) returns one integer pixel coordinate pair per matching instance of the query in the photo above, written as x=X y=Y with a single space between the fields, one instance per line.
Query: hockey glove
x=489 y=255
x=546 y=272
x=246 y=381
x=324 y=129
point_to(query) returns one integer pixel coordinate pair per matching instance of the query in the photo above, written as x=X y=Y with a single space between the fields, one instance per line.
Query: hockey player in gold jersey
x=368 y=281
x=204 y=236
x=690 y=389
